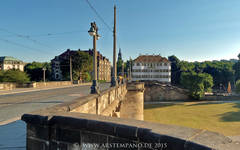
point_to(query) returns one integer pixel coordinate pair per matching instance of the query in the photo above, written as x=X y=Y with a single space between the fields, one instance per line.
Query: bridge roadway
x=12 y=106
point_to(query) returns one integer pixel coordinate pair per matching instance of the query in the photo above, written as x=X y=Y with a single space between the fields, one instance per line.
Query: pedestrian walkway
x=23 y=90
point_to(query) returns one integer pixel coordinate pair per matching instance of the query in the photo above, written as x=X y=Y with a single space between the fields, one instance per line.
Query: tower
x=119 y=55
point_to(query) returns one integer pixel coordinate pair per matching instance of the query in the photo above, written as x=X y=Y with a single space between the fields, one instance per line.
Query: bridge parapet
x=75 y=131
x=106 y=103
x=85 y=124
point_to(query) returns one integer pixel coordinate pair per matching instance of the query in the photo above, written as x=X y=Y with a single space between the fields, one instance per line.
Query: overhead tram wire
x=21 y=45
x=99 y=16
x=48 y=34
x=25 y=37
x=53 y=34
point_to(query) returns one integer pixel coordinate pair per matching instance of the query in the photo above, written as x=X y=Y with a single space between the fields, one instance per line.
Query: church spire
x=119 y=54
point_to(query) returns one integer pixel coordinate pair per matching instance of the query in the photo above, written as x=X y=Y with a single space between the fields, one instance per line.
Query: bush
x=88 y=77
x=16 y=76
x=197 y=83
x=102 y=81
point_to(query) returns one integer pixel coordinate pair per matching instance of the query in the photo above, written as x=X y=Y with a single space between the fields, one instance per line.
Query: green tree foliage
x=35 y=70
x=236 y=68
x=15 y=76
x=127 y=66
x=119 y=66
x=238 y=86
x=196 y=83
x=82 y=64
x=222 y=72
x=175 y=69
x=88 y=77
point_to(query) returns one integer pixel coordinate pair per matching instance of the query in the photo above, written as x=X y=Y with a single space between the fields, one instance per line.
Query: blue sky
x=193 y=30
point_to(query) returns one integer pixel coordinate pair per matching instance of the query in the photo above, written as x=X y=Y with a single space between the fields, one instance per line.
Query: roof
x=65 y=55
x=151 y=58
x=9 y=58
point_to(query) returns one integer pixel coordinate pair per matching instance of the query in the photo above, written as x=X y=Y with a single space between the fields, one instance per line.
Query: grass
x=218 y=117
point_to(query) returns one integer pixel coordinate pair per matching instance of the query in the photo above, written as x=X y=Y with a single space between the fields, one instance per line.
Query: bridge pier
x=132 y=106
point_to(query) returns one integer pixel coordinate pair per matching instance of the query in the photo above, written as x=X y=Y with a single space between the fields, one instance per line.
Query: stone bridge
x=113 y=120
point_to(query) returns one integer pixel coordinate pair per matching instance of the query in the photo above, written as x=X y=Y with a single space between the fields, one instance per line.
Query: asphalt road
x=13 y=106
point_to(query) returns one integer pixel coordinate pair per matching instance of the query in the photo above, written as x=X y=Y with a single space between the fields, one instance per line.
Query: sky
x=192 y=30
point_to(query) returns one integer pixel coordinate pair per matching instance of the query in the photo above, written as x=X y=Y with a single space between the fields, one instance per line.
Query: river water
x=13 y=136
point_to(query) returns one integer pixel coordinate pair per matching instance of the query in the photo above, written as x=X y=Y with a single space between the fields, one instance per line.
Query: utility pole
x=70 y=62
x=44 y=75
x=123 y=69
x=114 y=77
x=130 y=69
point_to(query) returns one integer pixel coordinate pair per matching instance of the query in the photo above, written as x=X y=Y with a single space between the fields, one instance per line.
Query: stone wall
x=160 y=92
x=74 y=131
x=7 y=86
x=11 y=86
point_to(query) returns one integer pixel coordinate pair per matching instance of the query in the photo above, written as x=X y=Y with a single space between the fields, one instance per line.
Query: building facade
x=103 y=65
x=8 y=62
x=151 y=68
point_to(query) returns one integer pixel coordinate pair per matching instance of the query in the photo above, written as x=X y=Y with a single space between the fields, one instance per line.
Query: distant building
x=151 y=67
x=104 y=65
x=8 y=62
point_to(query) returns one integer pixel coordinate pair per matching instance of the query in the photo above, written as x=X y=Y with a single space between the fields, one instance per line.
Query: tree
x=16 y=76
x=222 y=72
x=119 y=66
x=175 y=70
x=196 y=83
x=238 y=86
x=82 y=63
x=35 y=72
x=236 y=68
x=128 y=66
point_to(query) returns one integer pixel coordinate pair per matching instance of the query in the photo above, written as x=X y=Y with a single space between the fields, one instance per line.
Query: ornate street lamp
x=93 y=31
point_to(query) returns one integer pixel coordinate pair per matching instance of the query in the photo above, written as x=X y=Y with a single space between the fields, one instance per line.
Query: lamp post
x=93 y=31
x=44 y=76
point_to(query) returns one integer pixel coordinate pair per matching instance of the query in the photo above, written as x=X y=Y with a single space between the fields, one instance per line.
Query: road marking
x=9 y=121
